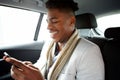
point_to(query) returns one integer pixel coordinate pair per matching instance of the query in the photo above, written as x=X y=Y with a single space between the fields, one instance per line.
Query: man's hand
x=23 y=70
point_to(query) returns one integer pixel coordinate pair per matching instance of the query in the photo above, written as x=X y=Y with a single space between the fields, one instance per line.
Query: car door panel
x=26 y=52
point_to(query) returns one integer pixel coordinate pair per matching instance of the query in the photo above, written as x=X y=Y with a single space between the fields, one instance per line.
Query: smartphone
x=6 y=54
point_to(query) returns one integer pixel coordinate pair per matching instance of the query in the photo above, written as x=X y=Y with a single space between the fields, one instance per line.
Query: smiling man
x=67 y=56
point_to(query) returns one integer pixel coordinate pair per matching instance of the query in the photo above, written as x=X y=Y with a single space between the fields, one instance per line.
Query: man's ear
x=73 y=20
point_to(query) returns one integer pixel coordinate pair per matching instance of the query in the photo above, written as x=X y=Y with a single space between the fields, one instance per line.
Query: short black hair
x=62 y=5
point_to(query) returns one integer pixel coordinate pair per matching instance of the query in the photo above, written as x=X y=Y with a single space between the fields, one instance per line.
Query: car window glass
x=17 y=26
x=108 y=21
x=44 y=33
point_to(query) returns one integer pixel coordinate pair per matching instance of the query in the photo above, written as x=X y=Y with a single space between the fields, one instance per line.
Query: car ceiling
x=97 y=7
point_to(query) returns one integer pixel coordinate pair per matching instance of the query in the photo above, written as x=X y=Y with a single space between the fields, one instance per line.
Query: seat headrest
x=113 y=32
x=86 y=21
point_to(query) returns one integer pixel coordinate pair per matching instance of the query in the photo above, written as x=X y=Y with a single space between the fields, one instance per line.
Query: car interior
x=109 y=45
x=86 y=23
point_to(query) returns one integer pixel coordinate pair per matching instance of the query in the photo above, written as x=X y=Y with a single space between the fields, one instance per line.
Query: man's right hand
x=23 y=70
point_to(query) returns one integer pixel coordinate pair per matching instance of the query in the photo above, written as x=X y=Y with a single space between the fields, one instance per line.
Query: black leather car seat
x=111 y=54
x=86 y=24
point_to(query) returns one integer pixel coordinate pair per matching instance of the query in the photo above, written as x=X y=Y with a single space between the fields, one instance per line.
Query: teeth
x=53 y=33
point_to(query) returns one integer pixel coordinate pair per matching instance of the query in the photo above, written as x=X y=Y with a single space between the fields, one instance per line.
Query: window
x=44 y=33
x=17 y=26
x=108 y=21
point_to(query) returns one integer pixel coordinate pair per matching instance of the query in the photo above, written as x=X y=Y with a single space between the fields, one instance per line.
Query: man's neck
x=62 y=44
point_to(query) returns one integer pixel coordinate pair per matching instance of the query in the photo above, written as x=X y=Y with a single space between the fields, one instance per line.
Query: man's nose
x=49 y=26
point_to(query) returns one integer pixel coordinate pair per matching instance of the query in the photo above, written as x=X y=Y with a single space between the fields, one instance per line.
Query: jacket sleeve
x=42 y=59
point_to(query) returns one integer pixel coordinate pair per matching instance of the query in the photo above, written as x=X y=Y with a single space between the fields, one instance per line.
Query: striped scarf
x=64 y=56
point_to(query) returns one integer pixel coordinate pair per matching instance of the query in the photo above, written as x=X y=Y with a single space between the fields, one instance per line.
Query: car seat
x=111 y=54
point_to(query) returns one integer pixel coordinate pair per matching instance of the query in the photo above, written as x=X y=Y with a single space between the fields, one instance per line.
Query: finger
x=16 y=62
x=30 y=65
x=14 y=75
x=33 y=67
x=4 y=57
x=27 y=63
x=16 y=70
x=17 y=73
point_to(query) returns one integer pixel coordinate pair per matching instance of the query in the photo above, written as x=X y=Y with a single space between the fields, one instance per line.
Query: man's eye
x=55 y=21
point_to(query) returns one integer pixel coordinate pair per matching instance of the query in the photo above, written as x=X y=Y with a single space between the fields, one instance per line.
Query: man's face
x=60 y=25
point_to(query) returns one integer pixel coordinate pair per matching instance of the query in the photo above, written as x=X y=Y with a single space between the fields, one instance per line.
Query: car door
x=20 y=23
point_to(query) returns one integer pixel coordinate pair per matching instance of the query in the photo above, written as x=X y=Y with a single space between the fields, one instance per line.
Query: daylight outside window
x=44 y=33
x=17 y=26
x=108 y=21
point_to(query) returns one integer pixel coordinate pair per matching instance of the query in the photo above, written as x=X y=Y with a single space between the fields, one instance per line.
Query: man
x=67 y=56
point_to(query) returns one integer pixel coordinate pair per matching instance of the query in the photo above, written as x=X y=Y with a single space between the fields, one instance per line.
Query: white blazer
x=86 y=62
